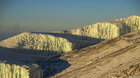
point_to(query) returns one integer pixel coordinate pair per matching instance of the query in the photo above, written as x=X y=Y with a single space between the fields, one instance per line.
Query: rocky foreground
x=115 y=58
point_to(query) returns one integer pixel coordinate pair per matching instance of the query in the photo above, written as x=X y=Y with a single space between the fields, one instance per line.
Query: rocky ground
x=115 y=58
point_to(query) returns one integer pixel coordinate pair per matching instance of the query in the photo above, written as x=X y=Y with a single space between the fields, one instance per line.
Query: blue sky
x=51 y=15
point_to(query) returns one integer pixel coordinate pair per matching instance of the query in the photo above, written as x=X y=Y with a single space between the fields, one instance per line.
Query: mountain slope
x=115 y=58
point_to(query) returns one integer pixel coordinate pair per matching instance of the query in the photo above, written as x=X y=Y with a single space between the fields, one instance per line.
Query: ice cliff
x=19 y=64
x=109 y=29
x=16 y=71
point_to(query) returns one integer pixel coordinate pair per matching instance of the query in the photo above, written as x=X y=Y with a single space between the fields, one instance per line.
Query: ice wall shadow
x=50 y=65
x=67 y=36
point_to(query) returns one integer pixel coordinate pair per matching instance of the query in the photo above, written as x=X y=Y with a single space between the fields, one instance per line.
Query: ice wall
x=16 y=71
x=109 y=29
x=50 y=44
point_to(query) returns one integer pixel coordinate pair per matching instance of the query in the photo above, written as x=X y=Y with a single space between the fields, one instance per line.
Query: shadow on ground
x=53 y=66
